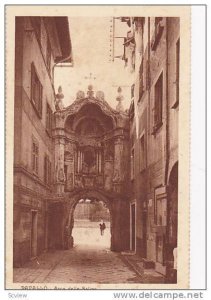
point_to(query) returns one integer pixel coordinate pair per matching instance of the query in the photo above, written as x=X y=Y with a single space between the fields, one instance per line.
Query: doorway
x=133 y=227
x=33 y=233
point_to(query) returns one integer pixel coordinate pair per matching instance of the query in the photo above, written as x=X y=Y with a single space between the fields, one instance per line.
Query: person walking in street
x=102 y=227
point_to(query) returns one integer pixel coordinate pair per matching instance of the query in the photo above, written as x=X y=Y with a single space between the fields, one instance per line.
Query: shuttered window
x=48 y=118
x=47 y=170
x=36 y=91
x=158 y=102
x=35 y=156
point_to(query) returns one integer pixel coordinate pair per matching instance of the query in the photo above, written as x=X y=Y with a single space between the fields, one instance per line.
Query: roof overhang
x=62 y=26
x=59 y=35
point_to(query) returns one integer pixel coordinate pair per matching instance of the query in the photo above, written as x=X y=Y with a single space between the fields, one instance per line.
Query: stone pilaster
x=70 y=164
x=59 y=164
x=118 y=160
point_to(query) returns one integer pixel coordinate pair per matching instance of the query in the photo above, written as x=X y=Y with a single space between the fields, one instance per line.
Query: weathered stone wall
x=161 y=144
x=25 y=203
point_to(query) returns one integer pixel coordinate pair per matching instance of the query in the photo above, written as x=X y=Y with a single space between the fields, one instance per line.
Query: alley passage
x=89 y=261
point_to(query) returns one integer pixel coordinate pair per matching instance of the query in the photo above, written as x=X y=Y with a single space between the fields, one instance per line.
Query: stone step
x=148 y=264
x=138 y=265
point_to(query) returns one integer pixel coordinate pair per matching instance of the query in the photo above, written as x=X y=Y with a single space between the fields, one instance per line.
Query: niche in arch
x=90 y=120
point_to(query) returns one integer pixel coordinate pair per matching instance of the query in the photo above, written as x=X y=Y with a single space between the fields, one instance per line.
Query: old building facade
x=38 y=48
x=154 y=48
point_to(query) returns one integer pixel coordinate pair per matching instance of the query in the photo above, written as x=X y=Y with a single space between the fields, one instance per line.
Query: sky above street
x=90 y=39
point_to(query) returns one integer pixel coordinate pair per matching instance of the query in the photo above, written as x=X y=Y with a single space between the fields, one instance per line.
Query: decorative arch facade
x=91 y=161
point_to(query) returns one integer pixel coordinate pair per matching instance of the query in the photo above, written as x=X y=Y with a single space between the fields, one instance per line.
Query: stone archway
x=119 y=216
x=91 y=195
x=61 y=211
x=172 y=224
x=91 y=161
x=173 y=206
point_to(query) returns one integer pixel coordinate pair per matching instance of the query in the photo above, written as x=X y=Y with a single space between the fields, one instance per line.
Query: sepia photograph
x=100 y=135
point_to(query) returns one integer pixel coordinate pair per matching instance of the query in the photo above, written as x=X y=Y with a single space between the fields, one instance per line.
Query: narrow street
x=89 y=261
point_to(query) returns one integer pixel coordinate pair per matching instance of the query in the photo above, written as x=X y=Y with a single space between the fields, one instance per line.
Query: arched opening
x=61 y=220
x=91 y=224
x=89 y=120
x=86 y=210
x=172 y=223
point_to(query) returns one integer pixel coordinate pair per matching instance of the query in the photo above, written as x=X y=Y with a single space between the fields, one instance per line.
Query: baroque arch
x=92 y=161
x=86 y=105
x=95 y=136
x=90 y=110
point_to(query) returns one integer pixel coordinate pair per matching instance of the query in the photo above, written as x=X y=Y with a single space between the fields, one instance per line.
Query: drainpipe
x=167 y=108
x=61 y=61
x=167 y=147
x=148 y=136
x=148 y=87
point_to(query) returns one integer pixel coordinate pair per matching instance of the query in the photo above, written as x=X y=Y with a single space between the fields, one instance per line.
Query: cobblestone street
x=90 y=263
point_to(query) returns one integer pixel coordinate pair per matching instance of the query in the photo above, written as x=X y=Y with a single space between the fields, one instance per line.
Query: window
x=158 y=103
x=177 y=73
x=36 y=91
x=48 y=55
x=161 y=212
x=160 y=206
x=132 y=90
x=142 y=153
x=132 y=165
x=141 y=80
x=48 y=118
x=65 y=174
x=47 y=170
x=35 y=156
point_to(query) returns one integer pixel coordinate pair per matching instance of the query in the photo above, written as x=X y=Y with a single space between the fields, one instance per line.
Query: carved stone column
x=139 y=35
x=118 y=161
x=59 y=164
x=70 y=164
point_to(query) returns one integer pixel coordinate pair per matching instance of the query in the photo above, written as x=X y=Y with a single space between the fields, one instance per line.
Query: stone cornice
x=23 y=170
x=29 y=192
